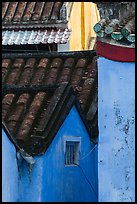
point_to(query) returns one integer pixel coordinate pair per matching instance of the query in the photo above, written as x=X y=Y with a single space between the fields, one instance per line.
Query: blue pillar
x=116 y=119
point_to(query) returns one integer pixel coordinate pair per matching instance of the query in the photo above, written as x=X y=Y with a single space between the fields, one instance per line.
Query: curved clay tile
x=19 y=11
x=28 y=11
x=29 y=118
x=4 y=8
x=11 y=11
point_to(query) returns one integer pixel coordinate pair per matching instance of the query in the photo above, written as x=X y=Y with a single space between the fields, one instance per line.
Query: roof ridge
x=18 y=89
x=48 y=54
x=37 y=24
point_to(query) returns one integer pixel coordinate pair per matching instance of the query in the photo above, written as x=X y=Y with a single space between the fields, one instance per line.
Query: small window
x=72 y=153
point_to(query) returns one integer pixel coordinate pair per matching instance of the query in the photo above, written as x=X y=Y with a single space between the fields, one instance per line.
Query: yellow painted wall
x=83 y=17
x=75 y=25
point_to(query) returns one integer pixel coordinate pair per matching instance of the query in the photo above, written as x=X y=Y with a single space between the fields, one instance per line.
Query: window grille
x=72 y=153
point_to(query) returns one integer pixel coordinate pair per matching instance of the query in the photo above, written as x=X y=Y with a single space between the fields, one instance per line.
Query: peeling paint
x=29 y=166
x=19 y=161
x=119 y=118
x=126 y=127
x=51 y=180
x=116 y=119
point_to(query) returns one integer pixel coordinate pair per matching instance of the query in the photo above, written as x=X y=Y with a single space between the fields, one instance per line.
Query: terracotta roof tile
x=10 y=11
x=69 y=62
x=81 y=63
x=43 y=63
x=37 y=113
x=5 y=65
x=33 y=23
x=38 y=11
x=12 y=77
x=52 y=69
x=77 y=68
x=38 y=76
x=56 y=63
x=4 y=8
x=27 y=71
x=25 y=113
x=65 y=75
x=7 y=102
x=18 y=113
x=18 y=62
x=13 y=12
x=47 y=10
x=19 y=11
x=28 y=11
x=56 y=9
x=30 y=63
x=30 y=117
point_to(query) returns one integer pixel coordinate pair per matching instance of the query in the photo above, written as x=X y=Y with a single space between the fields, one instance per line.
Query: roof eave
x=60 y=106
x=13 y=55
x=35 y=25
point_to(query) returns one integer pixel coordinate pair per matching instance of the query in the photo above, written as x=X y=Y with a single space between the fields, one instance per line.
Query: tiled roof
x=33 y=114
x=16 y=13
x=35 y=36
x=117 y=22
x=77 y=68
x=34 y=23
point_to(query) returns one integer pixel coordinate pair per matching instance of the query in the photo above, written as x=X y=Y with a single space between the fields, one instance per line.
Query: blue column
x=116 y=119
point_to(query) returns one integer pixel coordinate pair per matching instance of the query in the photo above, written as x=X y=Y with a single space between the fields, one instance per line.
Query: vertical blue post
x=116 y=119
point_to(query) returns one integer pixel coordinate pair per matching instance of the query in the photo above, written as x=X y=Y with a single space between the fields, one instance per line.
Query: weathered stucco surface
x=116 y=116
x=51 y=180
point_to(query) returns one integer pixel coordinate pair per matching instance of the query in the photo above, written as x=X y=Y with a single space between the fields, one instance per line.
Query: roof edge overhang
x=29 y=159
x=116 y=52
x=13 y=55
x=59 y=107
x=87 y=124
x=63 y=104
x=9 y=135
x=35 y=25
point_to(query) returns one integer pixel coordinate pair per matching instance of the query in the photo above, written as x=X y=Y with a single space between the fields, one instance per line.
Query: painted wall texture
x=51 y=180
x=9 y=171
x=84 y=15
x=116 y=116
x=63 y=47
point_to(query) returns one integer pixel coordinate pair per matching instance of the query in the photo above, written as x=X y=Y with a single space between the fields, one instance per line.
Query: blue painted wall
x=116 y=115
x=9 y=171
x=51 y=180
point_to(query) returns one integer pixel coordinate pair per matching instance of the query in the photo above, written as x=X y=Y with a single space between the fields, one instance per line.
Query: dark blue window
x=72 y=153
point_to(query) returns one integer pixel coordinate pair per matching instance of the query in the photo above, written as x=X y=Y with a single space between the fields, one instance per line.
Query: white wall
x=116 y=119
